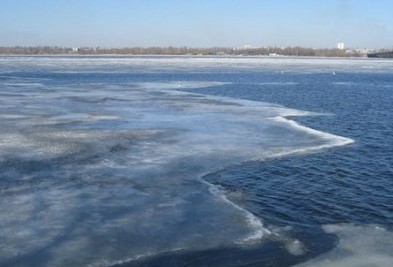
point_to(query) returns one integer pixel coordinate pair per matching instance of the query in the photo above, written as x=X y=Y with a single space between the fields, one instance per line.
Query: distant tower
x=340 y=46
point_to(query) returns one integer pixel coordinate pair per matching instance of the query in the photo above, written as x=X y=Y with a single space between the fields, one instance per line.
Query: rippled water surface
x=195 y=161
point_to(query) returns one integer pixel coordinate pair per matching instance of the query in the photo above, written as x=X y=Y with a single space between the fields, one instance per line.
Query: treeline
x=381 y=54
x=258 y=51
x=36 y=50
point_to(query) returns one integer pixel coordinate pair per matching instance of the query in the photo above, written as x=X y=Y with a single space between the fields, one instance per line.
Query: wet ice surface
x=97 y=171
x=358 y=246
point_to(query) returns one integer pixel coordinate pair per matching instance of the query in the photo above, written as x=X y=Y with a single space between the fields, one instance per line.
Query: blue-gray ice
x=98 y=173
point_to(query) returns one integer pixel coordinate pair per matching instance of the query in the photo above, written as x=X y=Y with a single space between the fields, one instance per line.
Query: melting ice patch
x=94 y=173
x=358 y=246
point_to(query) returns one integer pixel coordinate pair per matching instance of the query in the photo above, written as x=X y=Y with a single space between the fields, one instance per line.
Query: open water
x=195 y=161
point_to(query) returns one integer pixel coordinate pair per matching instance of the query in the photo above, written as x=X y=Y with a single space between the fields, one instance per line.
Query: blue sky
x=119 y=23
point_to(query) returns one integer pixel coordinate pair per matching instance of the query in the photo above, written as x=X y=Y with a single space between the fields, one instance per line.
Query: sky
x=197 y=23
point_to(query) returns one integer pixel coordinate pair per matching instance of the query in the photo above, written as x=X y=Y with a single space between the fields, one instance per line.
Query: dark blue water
x=100 y=162
x=353 y=184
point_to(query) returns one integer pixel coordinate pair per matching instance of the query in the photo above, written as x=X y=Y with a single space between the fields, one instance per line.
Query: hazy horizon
x=214 y=23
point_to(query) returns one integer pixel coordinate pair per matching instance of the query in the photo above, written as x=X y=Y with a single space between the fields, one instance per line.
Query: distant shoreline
x=191 y=56
x=187 y=51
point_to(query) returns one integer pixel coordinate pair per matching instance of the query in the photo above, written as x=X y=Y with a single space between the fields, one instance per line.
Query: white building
x=340 y=45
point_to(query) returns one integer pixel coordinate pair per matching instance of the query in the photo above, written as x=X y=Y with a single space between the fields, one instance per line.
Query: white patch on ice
x=332 y=140
x=295 y=247
x=359 y=246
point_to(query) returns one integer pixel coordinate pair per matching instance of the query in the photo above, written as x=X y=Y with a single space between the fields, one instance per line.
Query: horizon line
x=246 y=46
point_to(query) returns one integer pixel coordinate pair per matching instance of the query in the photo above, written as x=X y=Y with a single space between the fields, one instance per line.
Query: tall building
x=340 y=45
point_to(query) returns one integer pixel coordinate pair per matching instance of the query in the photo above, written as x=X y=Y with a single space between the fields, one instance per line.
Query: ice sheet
x=124 y=64
x=103 y=171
